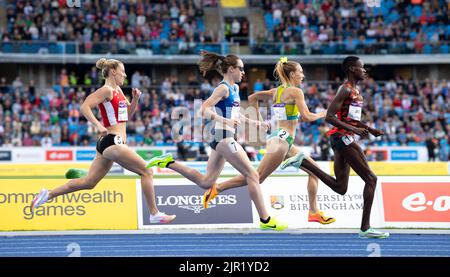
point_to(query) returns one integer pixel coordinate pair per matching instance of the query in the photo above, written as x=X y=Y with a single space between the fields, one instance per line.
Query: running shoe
x=40 y=199
x=294 y=161
x=75 y=173
x=161 y=217
x=160 y=161
x=373 y=234
x=209 y=195
x=273 y=224
x=320 y=217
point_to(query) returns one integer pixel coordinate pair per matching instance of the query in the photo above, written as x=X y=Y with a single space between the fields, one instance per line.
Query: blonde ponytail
x=282 y=70
x=105 y=65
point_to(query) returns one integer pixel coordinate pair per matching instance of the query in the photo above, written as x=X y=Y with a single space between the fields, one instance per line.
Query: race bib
x=232 y=146
x=235 y=110
x=347 y=139
x=279 y=111
x=118 y=140
x=355 y=110
x=122 y=113
x=282 y=134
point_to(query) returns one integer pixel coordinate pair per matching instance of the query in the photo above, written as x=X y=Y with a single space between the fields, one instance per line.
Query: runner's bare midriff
x=118 y=129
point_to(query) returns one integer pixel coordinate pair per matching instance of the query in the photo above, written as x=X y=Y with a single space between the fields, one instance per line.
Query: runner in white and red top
x=111 y=146
x=115 y=110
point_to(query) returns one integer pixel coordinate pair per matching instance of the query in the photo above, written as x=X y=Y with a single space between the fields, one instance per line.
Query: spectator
x=324 y=149
x=235 y=27
x=258 y=85
x=315 y=152
x=431 y=147
x=136 y=79
x=46 y=141
x=182 y=150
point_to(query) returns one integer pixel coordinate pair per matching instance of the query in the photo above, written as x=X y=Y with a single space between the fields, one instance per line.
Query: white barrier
x=68 y=153
x=287 y=199
x=416 y=202
x=400 y=202
x=232 y=209
x=400 y=153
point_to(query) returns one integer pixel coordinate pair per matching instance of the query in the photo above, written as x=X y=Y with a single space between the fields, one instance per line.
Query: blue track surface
x=225 y=245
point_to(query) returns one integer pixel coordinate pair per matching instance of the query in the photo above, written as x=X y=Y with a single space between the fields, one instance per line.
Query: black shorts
x=337 y=143
x=219 y=135
x=108 y=140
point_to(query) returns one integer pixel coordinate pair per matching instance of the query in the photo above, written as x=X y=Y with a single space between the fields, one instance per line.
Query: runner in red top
x=115 y=110
x=344 y=114
x=350 y=111
x=111 y=146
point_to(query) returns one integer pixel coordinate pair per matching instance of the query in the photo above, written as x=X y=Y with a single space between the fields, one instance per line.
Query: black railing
x=157 y=47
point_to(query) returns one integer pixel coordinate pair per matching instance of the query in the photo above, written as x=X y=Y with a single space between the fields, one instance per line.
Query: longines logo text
x=194 y=202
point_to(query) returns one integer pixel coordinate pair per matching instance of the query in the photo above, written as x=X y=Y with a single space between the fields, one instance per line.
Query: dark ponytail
x=215 y=62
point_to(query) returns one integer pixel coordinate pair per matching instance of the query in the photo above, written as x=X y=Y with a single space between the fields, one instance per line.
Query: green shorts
x=282 y=134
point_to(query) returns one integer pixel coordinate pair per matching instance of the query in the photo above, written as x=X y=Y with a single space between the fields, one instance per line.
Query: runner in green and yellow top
x=288 y=104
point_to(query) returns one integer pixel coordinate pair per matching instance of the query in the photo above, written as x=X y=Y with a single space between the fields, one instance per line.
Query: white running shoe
x=161 y=217
x=373 y=234
x=40 y=199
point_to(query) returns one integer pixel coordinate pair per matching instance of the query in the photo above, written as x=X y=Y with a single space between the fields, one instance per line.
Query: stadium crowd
x=353 y=26
x=177 y=27
x=164 y=27
x=414 y=113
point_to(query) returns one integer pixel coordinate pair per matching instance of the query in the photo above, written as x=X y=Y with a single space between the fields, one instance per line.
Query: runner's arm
x=93 y=100
x=303 y=109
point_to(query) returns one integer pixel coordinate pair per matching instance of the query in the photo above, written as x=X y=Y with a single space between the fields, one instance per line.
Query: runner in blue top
x=288 y=104
x=223 y=107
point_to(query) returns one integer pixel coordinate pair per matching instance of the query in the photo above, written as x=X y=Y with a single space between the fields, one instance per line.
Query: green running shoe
x=75 y=173
x=161 y=161
x=273 y=224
